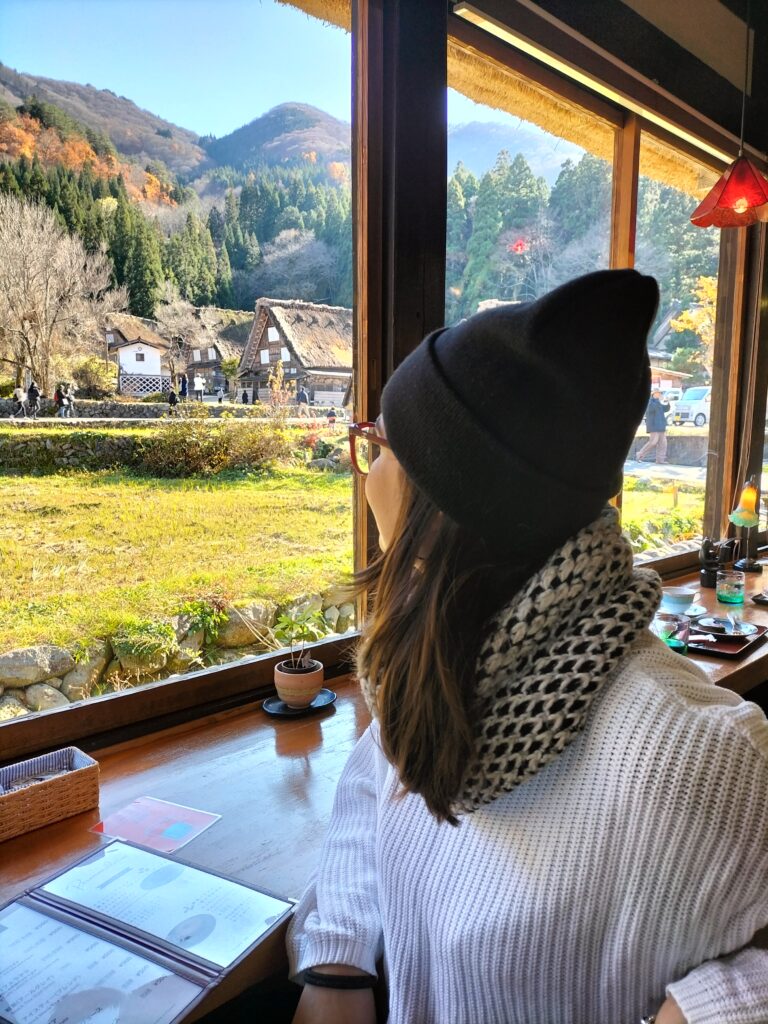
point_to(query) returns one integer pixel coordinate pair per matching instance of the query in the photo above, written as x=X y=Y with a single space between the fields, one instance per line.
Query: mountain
x=136 y=133
x=478 y=143
x=290 y=131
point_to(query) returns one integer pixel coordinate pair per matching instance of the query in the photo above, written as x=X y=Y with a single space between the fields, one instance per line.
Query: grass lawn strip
x=81 y=553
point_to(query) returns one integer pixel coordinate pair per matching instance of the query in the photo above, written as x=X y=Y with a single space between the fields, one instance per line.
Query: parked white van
x=693 y=407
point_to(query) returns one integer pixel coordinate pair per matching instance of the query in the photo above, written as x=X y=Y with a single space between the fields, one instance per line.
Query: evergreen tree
x=251 y=252
x=477 y=282
x=8 y=182
x=121 y=239
x=216 y=226
x=580 y=198
x=144 y=271
x=458 y=226
x=36 y=187
x=224 y=294
x=71 y=207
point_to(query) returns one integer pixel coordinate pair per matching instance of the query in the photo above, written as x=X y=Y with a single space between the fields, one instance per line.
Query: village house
x=222 y=335
x=140 y=353
x=313 y=342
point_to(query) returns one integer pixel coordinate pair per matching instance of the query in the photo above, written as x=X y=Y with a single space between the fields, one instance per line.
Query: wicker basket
x=40 y=803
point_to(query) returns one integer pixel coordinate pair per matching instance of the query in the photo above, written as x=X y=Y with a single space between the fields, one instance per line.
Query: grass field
x=82 y=552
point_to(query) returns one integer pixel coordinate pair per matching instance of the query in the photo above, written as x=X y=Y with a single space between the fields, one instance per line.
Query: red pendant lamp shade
x=735 y=200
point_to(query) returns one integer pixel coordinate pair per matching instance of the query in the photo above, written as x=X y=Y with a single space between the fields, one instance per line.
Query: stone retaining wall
x=681 y=451
x=86 y=408
x=45 y=676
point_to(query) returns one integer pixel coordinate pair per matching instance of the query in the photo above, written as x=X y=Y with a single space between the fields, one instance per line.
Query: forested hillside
x=134 y=132
x=510 y=237
x=282 y=230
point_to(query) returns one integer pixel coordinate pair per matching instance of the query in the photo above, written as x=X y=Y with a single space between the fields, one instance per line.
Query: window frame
x=399 y=176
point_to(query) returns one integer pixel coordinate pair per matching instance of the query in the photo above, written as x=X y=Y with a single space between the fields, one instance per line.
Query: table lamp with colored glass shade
x=745 y=515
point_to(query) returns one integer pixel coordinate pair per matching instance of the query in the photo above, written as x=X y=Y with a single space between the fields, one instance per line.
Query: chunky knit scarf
x=548 y=653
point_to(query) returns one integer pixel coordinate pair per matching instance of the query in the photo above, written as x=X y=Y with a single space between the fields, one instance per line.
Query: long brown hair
x=431 y=595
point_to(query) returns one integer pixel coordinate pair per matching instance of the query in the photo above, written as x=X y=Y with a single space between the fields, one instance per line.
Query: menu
x=126 y=936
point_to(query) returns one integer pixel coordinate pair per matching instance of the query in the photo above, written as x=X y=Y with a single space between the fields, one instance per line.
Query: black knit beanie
x=516 y=422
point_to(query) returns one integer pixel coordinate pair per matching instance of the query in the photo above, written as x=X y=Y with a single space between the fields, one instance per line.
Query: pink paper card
x=157 y=824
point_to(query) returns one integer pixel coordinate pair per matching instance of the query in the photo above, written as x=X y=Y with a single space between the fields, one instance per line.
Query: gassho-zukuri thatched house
x=314 y=343
x=222 y=334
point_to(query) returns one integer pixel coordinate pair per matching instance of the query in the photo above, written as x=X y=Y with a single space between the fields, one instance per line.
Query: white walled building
x=141 y=356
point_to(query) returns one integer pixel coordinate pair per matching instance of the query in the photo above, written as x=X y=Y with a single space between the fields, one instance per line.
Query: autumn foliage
x=25 y=136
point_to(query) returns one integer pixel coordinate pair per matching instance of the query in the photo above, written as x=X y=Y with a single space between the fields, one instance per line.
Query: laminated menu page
x=126 y=936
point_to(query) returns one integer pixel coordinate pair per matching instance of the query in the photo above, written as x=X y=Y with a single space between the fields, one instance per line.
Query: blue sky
x=206 y=65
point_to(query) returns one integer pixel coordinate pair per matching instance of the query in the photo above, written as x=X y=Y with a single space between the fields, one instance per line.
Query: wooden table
x=744 y=674
x=272 y=781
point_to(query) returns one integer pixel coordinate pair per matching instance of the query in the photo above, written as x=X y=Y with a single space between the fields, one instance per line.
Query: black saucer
x=277 y=707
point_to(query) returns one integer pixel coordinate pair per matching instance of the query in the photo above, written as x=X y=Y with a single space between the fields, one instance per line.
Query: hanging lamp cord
x=746 y=79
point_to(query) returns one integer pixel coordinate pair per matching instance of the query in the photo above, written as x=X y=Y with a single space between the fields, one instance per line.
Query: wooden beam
x=626 y=164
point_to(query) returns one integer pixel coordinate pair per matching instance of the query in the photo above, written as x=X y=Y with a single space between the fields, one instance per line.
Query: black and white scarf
x=548 y=653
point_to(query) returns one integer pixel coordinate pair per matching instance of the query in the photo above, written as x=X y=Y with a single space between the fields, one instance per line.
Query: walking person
x=69 y=395
x=172 y=403
x=553 y=818
x=33 y=399
x=220 y=394
x=302 y=401
x=199 y=386
x=183 y=388
x=19 y=407
x=245 y=397
x=656 y=425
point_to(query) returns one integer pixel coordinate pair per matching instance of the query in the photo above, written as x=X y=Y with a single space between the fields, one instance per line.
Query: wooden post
x=626 y=162
x=399 y=196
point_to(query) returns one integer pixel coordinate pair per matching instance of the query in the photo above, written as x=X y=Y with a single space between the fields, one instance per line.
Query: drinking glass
x=729 y=586
x=672 y=629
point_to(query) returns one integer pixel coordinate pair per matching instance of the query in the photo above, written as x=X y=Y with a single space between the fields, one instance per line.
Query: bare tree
x=52 y=292
x=177 y=320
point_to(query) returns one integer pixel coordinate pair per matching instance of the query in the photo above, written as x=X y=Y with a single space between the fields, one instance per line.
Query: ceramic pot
x=298 y=687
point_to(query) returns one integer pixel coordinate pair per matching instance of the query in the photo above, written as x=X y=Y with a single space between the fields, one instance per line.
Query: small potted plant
x=299 y=678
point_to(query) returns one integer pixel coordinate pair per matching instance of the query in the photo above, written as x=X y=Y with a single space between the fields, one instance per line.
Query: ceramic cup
x=298 y=687
x=678 y=599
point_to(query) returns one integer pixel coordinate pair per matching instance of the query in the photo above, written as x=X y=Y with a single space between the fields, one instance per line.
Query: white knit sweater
x=636 y=862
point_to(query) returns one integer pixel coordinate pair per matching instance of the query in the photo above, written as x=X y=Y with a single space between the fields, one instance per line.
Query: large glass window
x=666 y=472
x=167 y=502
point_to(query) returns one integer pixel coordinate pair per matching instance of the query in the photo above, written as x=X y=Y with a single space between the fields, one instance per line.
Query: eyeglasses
x=364 y=445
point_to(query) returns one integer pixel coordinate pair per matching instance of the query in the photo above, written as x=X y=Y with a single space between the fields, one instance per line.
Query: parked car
x=671 y=397
x=693 y=407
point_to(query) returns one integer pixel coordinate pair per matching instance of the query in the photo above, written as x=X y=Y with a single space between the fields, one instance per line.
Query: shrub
x=185 y=448
x=7 y=387
x=207 y=616
x=156 y=396
x=144 y=639
x=258 y=445
x=95 y=378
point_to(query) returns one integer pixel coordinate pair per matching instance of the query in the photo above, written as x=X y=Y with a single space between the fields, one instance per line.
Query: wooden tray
x=727 y=647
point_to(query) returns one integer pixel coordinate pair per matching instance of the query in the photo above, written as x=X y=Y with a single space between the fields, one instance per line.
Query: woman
x=553 y=819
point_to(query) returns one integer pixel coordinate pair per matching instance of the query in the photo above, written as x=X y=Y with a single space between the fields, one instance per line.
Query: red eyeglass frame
x=363 y=429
